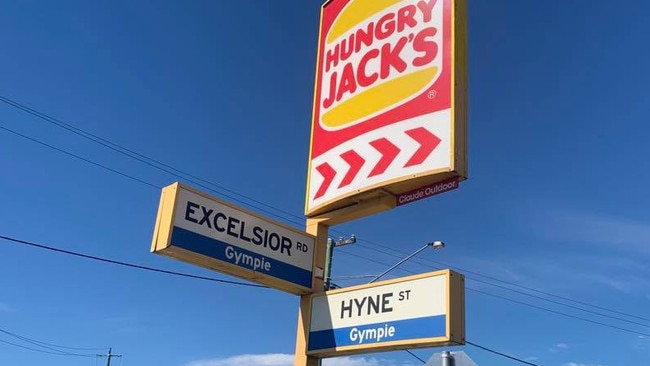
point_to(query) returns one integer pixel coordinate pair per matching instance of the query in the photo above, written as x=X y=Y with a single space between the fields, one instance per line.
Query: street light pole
x=434 y=245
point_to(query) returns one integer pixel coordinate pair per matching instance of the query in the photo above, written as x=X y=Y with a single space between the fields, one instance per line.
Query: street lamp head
x=437 y=244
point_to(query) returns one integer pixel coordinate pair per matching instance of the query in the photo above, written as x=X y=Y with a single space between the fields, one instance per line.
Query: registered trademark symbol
x=432 y=94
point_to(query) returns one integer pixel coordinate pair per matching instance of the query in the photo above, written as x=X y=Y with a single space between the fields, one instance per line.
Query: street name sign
x=197 y=228
x=418 y=311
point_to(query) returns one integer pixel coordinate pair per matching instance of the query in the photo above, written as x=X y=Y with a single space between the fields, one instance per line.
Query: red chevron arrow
x=355 y=161
x=427 y=141
x=388 y=153
x=328 y=173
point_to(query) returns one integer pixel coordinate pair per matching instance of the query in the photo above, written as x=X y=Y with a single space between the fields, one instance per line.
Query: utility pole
x=108 y=356
x=330 y=253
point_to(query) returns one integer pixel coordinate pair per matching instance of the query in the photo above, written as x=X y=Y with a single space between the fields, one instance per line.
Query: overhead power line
x=151 y=162
x=59 y=353
x=512 y=290
x=485 y=349
x=41 y=246
x=80 y=158
x=65 y=353
x=465 y=270
x=499 y=286
x=42 y=344
x=125 y=264
x=559 y=312
x=414 y=355
x=173 y=171
x=519 y=302
x=137 y=266
x=510 y=283
x=501 y=354
x=236 y=282
x=561 y=303
x=157 y=164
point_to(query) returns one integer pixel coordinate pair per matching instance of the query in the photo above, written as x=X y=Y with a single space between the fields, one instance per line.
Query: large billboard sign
x=389 y=110
x=199 y=229
x=424 y=310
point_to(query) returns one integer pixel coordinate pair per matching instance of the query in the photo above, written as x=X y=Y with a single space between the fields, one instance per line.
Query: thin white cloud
x=4 y=308
x=272 y=359
x=626 y=274
x=281 y=359
x=642 y=343
x=559 y=347
x=616 y=233
x=501 y=269
x=348 y=361
x=581 y=364
x=600 y=252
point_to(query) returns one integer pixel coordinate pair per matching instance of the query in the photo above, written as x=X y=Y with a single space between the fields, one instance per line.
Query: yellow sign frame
x=162 y=243
x=455 y=318
x=354 y=205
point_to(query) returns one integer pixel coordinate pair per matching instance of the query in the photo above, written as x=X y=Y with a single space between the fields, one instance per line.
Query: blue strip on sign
x=425 y=327
x=197 y=243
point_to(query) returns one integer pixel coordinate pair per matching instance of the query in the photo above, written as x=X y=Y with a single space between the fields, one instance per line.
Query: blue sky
x=556 y=198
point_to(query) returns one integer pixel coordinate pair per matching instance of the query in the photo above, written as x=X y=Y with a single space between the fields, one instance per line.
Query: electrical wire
x=154 y=163
x=483 y=348
x=36 y=343
x=465 y=271
x=143 y=159
x=254 y=285
x=39 y=343
x=42 y=351
x=377 y=262
x=552 y=295
x=355 y=277
x=559 y=312
x=80 y=158
x=518 y=292
x=501 y=354
x=157 y=164
x=414 y=355
x=126 y=264
x=41 y=246
x=523 y=303
x=560 y=303
x=462 y=270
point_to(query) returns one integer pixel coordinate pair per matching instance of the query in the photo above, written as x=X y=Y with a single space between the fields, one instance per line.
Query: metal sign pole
x=319 y=229
x=447 y=358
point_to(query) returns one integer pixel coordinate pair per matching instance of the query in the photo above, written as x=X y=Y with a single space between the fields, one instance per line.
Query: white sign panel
x=236 y=241
x=413 y=311
x=389 y=110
